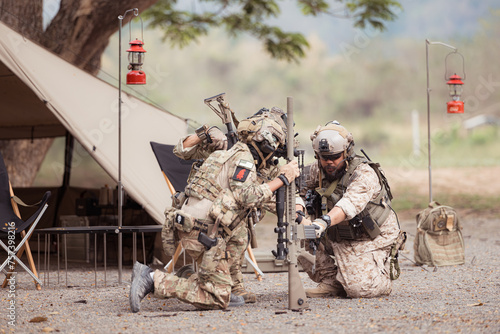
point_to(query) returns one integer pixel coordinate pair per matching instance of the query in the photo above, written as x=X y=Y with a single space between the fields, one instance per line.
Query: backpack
x=439 y=239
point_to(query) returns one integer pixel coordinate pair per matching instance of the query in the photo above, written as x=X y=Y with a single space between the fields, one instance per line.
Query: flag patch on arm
x=242 y=170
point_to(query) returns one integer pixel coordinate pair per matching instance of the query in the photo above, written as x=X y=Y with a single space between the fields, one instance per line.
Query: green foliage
x=182 y=27
x=373 y=12
x=313 y=7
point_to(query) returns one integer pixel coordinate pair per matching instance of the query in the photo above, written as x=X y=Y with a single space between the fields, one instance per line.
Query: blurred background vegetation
x=371 y=82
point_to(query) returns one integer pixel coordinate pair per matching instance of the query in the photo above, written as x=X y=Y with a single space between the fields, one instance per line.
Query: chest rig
x=368 y=221
x=205 y=185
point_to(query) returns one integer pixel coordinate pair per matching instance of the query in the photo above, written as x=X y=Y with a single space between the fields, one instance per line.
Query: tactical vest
x=204 y=185
x=371 y=218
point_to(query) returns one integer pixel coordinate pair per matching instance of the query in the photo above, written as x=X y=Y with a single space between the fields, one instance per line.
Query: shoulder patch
x=241 y=174
x=245 y=164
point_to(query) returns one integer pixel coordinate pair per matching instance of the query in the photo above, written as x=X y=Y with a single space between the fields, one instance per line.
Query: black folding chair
x=176 y=172
x=15 y=228
x=174 y=169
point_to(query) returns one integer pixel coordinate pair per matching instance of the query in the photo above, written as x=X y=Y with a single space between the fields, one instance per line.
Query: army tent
x=45 y=96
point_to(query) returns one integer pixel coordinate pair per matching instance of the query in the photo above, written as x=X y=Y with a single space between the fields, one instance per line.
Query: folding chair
x=176 y=172
x=176 y=176
x=13 y=226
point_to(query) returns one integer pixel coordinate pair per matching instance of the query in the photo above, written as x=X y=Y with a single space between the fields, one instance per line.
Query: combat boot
x=248 y=296
x=142 y=285
x=325 y=290
x=236 y=300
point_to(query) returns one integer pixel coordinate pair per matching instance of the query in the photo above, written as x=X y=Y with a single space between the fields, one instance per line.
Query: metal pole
x=120 y=185
x=428 y=120
x=120 y=189
x=427 y=43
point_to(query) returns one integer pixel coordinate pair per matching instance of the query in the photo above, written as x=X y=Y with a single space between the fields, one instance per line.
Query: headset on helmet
x=331 y=139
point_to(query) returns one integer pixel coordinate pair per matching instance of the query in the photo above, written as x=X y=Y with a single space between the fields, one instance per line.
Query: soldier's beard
x=334 y=173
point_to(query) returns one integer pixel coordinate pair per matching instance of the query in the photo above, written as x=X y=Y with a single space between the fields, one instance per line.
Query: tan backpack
x=439 y=239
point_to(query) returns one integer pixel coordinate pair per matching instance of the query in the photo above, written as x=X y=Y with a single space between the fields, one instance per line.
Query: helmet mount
x=332 y=139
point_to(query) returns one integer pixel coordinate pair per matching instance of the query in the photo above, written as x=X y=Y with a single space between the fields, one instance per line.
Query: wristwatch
x=201 y=132
x=327 y=219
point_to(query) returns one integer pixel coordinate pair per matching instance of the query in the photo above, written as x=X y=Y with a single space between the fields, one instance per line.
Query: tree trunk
x=23 y=159
x=79 y=33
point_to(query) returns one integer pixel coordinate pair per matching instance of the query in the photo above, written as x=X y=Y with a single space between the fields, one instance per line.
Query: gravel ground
x=450 y=299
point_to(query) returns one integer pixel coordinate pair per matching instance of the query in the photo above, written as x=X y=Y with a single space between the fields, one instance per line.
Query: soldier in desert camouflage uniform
x=200 y=145
x=219 y=195
x=348 y=199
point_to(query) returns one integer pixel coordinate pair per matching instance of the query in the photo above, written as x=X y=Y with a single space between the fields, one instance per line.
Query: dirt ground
x=468 y=180
x=463 y=298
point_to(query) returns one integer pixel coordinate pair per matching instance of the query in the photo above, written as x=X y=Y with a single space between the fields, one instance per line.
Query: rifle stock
x=226 y=114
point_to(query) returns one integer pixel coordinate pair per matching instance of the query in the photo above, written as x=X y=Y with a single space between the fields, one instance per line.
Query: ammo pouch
x=176 y=220
x=183 y=222
x=226 y=211
x=344 y=232
x=356 y=228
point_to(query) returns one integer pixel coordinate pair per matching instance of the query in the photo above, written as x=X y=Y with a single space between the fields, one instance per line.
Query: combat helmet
x=332 y=139
x=264 y=133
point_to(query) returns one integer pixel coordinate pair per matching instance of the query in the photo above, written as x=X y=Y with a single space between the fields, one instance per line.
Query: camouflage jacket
x=201 y=151
x=362 y=187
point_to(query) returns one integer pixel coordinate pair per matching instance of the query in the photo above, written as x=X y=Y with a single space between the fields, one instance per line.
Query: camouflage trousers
x=210 y=287
x=236 y=247
x=360 y=275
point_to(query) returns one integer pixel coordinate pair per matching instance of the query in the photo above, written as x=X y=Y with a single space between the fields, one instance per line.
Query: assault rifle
x=226 y=114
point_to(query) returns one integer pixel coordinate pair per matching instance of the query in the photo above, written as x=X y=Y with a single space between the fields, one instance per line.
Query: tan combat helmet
x=263 y=132
x=332 y=139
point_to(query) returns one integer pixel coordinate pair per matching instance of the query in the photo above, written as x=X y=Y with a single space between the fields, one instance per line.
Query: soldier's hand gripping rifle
x=226 y=114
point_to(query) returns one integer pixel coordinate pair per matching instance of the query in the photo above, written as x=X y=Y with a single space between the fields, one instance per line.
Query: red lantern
x=455 y=84
x=136 y=54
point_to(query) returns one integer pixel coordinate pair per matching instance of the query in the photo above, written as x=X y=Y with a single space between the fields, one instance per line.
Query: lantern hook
x=135 y=13
x=446 y=77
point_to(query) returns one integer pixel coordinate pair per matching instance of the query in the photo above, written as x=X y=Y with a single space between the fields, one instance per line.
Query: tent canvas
x=45 y=96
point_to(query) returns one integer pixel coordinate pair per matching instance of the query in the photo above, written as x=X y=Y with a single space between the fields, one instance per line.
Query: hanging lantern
x=455 y=84
x=136 y=54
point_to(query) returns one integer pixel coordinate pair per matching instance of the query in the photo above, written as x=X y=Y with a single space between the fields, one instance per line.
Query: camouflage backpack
x=439 y=239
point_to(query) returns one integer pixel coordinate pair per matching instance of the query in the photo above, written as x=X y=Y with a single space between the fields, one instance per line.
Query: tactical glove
x=218 y=140
x=290 y=171
x=321 y=224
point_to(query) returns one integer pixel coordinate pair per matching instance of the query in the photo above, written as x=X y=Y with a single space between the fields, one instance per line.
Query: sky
x=425 y=19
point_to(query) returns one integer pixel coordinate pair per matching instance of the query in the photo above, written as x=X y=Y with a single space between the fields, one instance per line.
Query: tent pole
x=68 y=157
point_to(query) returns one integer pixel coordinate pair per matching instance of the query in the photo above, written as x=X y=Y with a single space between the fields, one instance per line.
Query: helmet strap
x=261 y=157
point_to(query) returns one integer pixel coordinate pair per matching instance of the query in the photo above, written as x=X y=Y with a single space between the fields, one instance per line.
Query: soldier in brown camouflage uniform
x=348 y=200
x=218 y=196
